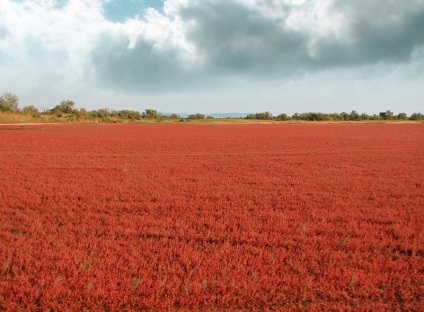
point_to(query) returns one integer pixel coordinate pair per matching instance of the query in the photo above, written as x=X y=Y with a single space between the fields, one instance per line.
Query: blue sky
x=215 y=56
x=120 y=11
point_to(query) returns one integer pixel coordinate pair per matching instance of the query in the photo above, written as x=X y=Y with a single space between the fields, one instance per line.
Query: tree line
x=66 y=110
x=352 y=116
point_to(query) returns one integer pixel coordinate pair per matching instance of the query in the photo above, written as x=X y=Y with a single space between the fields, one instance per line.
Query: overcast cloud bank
x=210 y=45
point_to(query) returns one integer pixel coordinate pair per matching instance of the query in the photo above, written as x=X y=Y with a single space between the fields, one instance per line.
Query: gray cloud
x=239 y=39
x=146 y=68
x=234 y=39
x=381 y=30
x=140 y=66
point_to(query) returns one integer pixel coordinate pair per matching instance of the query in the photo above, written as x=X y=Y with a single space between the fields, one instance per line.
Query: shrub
x=31 y=110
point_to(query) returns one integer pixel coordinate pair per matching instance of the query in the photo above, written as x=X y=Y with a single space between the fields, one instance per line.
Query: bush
x=402 y=116
x=151 y=114
x=196 y=116
x=31 y=111
x=174 y=116
x=283 y=117
x=354 y=116
x=129 y=114
x=417 y=116
x=336 y=116
x=65 y=107
x=261 y=116
x=100 y=113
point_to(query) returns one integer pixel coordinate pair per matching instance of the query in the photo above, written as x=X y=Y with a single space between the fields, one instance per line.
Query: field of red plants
x=212 y=217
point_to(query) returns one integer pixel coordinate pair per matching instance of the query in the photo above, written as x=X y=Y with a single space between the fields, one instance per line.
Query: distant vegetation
x=352 y=116
x=65 y=111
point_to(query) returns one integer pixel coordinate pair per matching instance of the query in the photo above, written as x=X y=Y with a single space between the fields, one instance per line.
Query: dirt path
x=22 y=124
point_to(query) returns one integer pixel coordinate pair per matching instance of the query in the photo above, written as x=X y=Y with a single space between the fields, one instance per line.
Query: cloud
x=193 y=50
x=256 y=39
x=381 y=30
x=147 y=54
x=238 y=38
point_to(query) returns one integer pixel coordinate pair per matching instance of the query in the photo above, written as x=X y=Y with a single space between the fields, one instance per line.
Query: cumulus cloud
x=47 y=40
x=205 y=45
x=381 y=30
x=192 y=40
x=150 y=53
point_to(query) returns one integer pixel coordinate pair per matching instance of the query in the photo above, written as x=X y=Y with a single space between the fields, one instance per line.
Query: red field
x=238 y=217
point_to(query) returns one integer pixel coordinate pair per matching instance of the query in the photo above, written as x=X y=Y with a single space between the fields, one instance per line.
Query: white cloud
x=254 y=38
x=47 y=43
x=205 y=45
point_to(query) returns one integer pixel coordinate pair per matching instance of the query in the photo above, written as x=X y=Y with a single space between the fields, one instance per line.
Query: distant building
x=386 y=115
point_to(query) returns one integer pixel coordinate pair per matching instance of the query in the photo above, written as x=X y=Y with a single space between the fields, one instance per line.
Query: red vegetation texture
x=212 y=217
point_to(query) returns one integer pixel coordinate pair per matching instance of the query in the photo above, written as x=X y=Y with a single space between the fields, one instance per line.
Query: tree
x=151 y=114
x=336 y=116
x=314 y=116
x=129 y=114
x=402 y=116
x=80 y=113
x=296 y=116
x=263 y=116
x=345 y=115
x=387 y=115
x=31 y=110
x=65 y=107
x=174 y=116
x=283 y=117
x=416 y=116
x=364 y=116
x=375 y=117
x=354 y=116
x=9 y=102
x=100 y=113
x=196 y=116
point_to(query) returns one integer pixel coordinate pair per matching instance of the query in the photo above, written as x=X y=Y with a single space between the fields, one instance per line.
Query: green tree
x=151 y=114
x=31 y=110
x=364 y=116
x=129 y=114
x=416 y=116
x=9 y=102
x=283 y=117
x=345 y=115
x=174 y=116
x=402 y=116
x=80 y=113
x=314 y=116
x=375 y=117
x=65 y=107
x=296 y=116
x=354 y=116
x=196 y=116
x=387 y=115
x=335 y=116
x=100 y=113
x=263 y=116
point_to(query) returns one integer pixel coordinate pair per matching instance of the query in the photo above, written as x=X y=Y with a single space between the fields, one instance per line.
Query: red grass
x=256 y=217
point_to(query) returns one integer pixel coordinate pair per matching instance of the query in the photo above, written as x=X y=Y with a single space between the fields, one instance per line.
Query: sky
x=215 y=56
